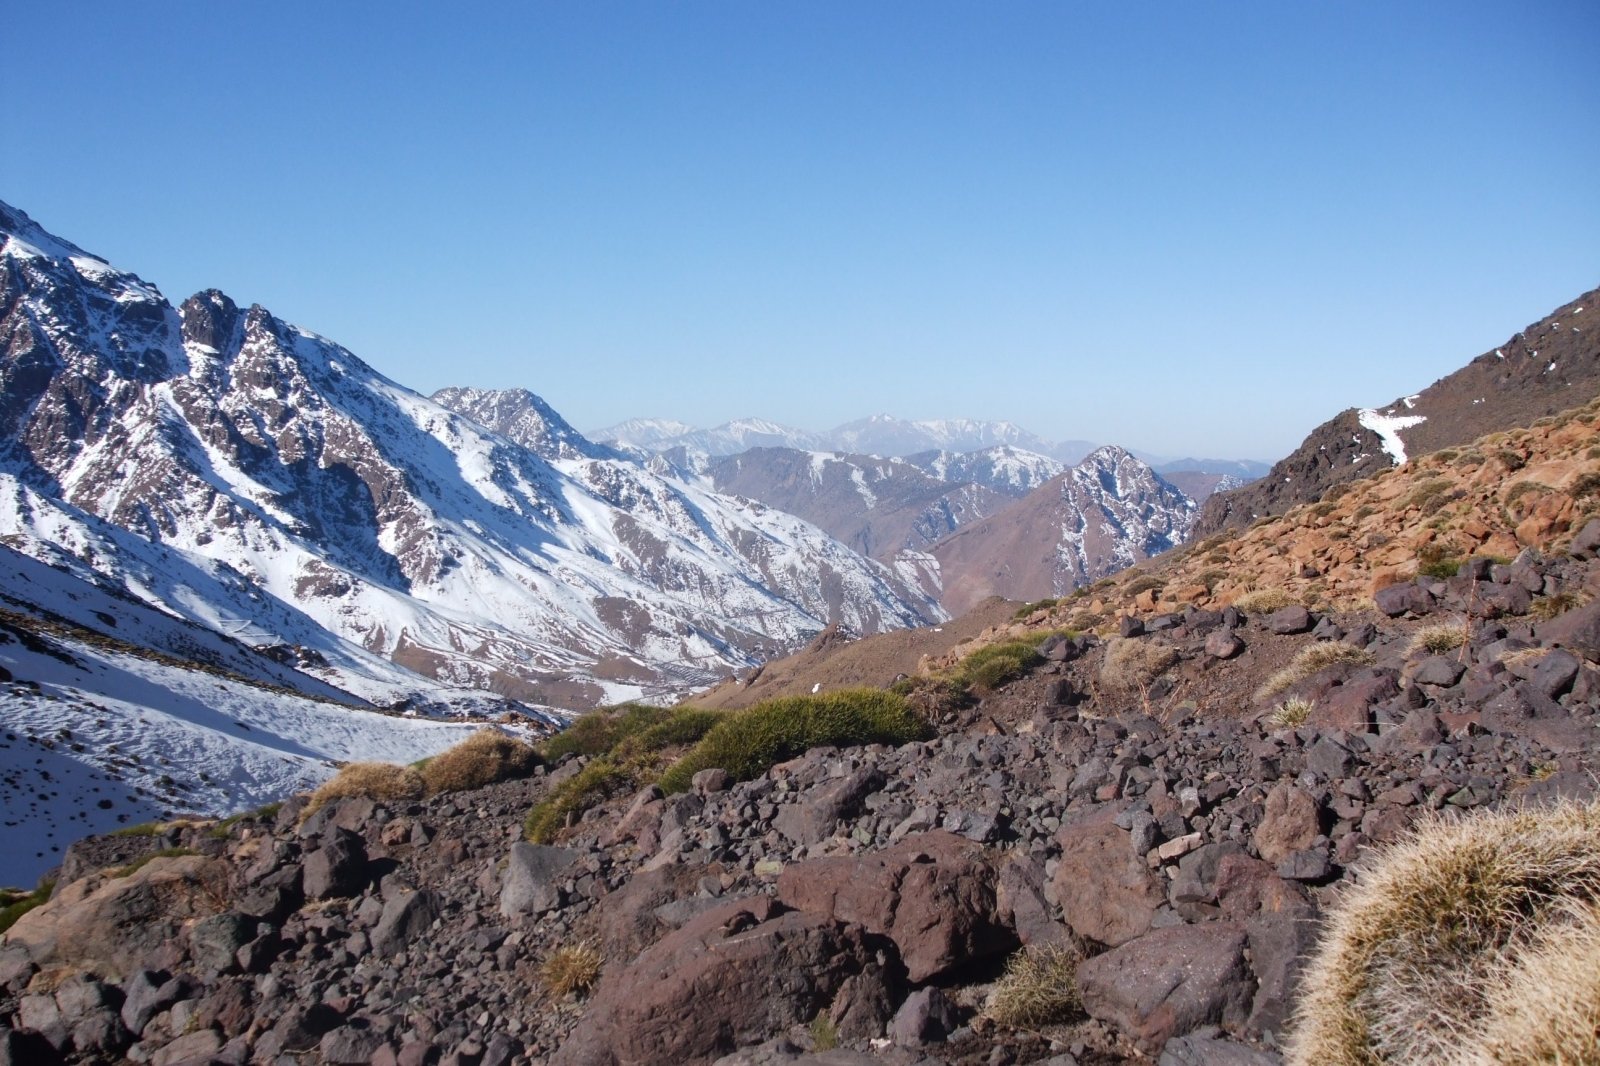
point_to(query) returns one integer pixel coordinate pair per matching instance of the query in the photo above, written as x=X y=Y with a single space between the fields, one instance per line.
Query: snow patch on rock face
x=1388 y=428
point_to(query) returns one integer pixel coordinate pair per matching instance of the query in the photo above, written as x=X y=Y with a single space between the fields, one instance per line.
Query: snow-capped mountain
x=877 y=506
x=739 y=435
x=544 y=570
x=888 y=435
x=1004 y=468
x=649 y=434
x=1101 y=516
x=880 y=435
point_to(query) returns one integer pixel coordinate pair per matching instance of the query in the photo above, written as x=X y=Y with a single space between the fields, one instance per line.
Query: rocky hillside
x=879 y=507
x=1107 y=513
x=1126 y=822
x=550 y=570
x=1548 y=367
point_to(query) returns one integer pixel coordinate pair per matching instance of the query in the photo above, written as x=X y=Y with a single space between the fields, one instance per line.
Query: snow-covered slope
x=544 y=570
x=1004 y=468
x=888 y=435
x=94 y=735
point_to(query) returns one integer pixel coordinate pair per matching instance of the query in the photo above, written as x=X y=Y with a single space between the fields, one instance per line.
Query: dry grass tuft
x=1475 y=941
x=1132 y=663
x=1039 y=987
x=482 y=759
x=1265 y=601
x=1291 y=713
x=1312 y=657
x=569 y=969
x=374 y=780
x=1438 y=638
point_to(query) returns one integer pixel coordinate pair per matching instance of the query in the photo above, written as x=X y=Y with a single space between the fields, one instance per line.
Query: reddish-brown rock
x=932 y=894
x=731 y=977
x=1171 y=982
x=1105 y=890
x=1290 y=822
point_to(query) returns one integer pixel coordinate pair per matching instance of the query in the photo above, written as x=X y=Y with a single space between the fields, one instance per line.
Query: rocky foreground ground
x=857 y=905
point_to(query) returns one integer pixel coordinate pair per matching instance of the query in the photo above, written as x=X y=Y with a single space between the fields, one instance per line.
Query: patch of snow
x=1388 y=428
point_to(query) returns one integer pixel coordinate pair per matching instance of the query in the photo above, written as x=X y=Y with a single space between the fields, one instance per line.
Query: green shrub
x=571 y=968
x=1474 y=941
x=1438 y=638
x=1037 y=605
x=685 y=726
x=16 y=907
x=1264 y=601
x=745 y=743
x=594 y=784
x=1132 y=663
x=1291 y=713
x=1435 y=561
x=373 y=780
x=996 y=664
x=600 y=731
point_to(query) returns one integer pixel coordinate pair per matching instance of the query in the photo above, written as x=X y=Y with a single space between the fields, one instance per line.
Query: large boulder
x=532 y=883
x=1170 y=982
x=933 y=894
x=732 y=976
x=1106 y=891
x=107 y=925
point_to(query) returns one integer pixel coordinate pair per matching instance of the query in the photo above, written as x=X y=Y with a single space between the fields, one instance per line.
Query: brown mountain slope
x=1105 y=514
x=1550 y=366
x=1505 y=492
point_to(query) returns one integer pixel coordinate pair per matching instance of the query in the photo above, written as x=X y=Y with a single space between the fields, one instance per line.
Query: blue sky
x=1194 y=228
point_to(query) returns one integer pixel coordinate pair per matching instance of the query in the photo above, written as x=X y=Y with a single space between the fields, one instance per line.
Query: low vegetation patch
x=482 y=759
x=16 y=904
x=1265 y=601
x=145 y=860
x=600 y=731
x=1144 y=583
x=745 y=743
x=374 y=780
x=1039 y=987
x=597 y=782
x=1029 y=608
x=1131 y=664
x=1438 y=638
x=1435 y=560
x=1475 y=941
x=1312 y=658
x=1548 y=607
x=996 y=664
x=573 y=968
x=1291 y=713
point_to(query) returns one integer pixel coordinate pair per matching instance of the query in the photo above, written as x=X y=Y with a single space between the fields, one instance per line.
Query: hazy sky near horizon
x=1188 y=227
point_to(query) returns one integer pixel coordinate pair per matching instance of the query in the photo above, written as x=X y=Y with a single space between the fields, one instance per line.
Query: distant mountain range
x=884 y=436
